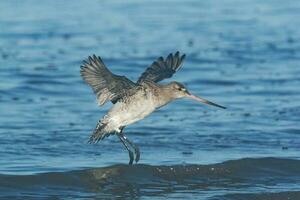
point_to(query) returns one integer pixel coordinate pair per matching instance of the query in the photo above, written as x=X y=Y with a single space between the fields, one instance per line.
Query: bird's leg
x=122 y=137
x=131 y=156
x=135 y=147
x=127 y=143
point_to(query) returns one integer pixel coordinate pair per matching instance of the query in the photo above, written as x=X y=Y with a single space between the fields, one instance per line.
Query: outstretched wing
x=161 y=69
x=106 y=85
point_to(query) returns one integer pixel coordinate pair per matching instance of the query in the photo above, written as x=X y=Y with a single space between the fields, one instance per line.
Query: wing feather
x=106 y=85
x=162 y=69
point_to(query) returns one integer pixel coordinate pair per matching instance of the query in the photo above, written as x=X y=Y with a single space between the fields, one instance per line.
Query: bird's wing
x=106 y=85
x=162 y=69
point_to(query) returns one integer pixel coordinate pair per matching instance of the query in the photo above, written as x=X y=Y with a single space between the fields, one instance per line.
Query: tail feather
x=99 y=133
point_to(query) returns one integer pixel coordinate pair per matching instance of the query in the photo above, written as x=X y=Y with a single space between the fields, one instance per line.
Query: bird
x=133 y=101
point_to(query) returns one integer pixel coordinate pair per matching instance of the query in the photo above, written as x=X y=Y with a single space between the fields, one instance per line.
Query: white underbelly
x=124 y=114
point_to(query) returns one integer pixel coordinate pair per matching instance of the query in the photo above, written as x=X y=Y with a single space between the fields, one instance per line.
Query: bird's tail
x=99 y=133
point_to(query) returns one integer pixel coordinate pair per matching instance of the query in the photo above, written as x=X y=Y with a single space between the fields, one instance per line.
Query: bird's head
x=178 y=90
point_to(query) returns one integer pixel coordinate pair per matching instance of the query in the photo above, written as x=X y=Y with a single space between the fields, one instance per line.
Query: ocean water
x=244 y=55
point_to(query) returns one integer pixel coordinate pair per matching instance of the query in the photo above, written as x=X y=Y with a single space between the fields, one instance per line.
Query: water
x=240 y=54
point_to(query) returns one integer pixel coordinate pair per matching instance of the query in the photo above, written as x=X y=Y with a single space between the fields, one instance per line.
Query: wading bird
x=133 y=101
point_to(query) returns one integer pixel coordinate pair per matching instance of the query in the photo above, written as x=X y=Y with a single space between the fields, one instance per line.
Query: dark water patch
x=43 y=81
x=36 y=89
x=207 y=82
x=244 y=175
x=261 y=196
x=40 y=35
x=291 y=130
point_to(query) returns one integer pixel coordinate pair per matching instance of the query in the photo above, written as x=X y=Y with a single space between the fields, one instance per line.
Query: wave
x=242 y=174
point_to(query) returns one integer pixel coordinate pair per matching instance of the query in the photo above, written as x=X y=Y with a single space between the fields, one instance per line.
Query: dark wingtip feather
x=161 y=59
x=177 y=61
x=169 y=60
x=182 y=57
x=99 y=58
x=95 y=59
x=85 y=62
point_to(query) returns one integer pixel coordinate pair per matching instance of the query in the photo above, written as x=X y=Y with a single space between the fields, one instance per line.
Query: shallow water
x=244 y=177
x=244 y=55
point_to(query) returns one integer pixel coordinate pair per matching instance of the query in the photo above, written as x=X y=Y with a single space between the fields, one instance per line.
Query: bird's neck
x=161 y=93
x=165 y=95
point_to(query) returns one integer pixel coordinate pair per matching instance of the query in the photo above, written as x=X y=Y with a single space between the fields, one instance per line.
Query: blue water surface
x=241 y=54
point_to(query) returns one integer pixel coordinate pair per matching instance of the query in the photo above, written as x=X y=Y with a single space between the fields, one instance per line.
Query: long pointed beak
x=204 y=101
